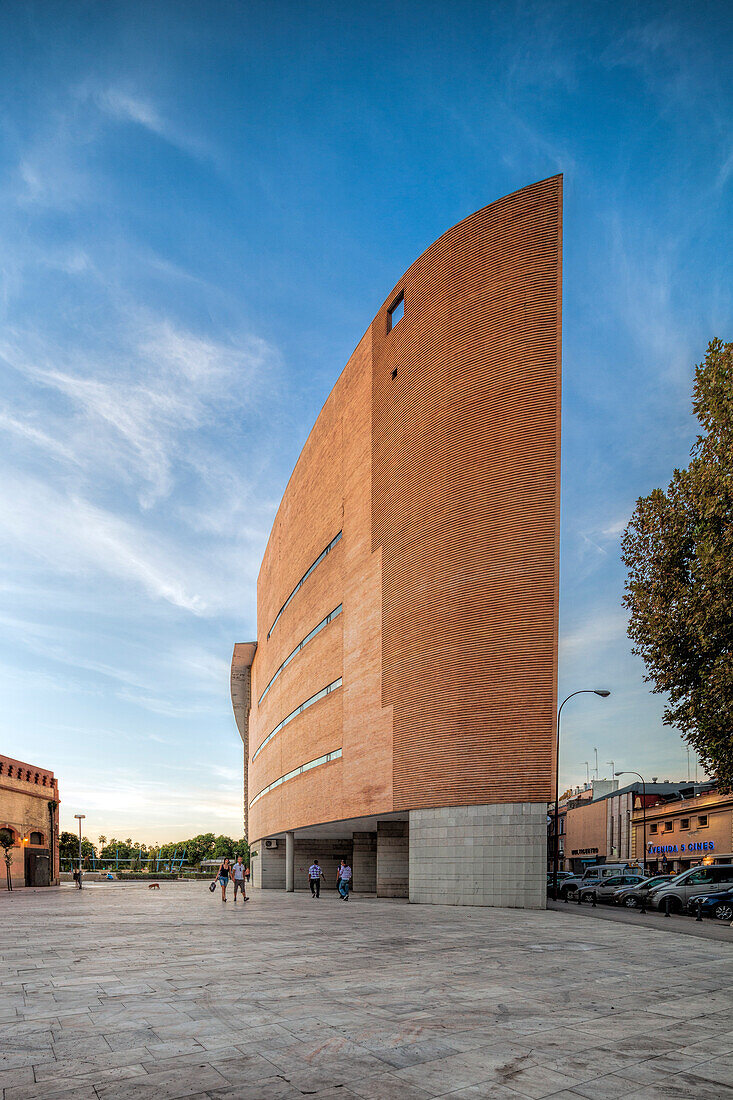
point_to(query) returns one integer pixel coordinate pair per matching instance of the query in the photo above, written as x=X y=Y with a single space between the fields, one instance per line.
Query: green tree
x=68 y=846
x=223 y=846
x=199 y=847
x=678 y=549
x=87 y=848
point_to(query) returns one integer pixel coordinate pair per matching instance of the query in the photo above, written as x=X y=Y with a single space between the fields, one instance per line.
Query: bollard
x=642 y=910
x=699 y=910
x=565 y=897
x=593 y=899
x=580 y=899
x=667 y=905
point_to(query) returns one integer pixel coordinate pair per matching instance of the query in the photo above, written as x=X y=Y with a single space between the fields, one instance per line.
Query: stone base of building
x=457 y=855
x=480 y=855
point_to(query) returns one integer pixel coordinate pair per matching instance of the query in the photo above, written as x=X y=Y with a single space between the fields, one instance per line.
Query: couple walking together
x=343 y=879
x=239 y=873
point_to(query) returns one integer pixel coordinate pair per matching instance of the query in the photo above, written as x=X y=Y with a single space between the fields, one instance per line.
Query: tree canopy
x=204 y=846
x=678 y=549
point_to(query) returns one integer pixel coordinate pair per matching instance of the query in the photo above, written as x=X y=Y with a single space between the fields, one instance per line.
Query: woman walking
x=223 y=875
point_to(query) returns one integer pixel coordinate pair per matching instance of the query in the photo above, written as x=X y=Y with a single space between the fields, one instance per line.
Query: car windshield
x=681 y=877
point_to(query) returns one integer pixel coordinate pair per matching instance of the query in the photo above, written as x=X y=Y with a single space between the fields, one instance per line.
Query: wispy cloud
x=615 y=528
x=725 y=172
x=71 y=535
x=133 y=106
x=132 y=412
x=600 y=631
x=29 y=433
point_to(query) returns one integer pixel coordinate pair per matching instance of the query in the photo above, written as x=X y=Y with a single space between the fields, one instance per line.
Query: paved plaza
x=123 y=993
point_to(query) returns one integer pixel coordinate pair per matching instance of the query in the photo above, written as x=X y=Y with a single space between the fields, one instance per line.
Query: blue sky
x=202 y=206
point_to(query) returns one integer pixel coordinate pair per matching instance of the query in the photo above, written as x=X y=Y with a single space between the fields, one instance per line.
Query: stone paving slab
x=130 y=994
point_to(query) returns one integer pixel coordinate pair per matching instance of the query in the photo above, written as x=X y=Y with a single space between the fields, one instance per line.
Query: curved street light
x=628 y=771
x=556 y=853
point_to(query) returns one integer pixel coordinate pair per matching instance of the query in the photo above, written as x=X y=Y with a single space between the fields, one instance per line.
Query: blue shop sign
x=702 y=846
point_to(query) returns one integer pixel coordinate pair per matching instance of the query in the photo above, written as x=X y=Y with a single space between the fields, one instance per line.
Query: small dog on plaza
x=154 y=886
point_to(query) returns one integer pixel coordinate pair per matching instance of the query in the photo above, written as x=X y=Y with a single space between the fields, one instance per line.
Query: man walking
x=315 y=874
x=240 y=872
x=344 y=880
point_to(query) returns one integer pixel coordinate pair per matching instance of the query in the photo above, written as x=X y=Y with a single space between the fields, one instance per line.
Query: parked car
x=604 y=889
x=561 y=876
x=719 y=905
x=594 y=874
x=631 y=896
x=698 y=881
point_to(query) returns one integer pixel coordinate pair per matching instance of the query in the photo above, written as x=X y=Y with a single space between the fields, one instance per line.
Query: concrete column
x=393 y=859
x=480 y=855
x=364 y=863
x=290 y=862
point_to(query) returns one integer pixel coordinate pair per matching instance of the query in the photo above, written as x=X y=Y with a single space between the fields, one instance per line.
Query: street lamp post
x=80 y=818
x=556 y=853
x=627 y=771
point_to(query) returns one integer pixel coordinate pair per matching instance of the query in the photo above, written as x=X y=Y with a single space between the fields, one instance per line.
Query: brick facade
x=29 y=807
x=436 y=459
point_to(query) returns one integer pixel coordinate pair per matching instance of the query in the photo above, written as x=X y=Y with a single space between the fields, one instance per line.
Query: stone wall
x=329 y=854
x=393 y=867
x=267 y=868
x=480 y=855
x=364 y=864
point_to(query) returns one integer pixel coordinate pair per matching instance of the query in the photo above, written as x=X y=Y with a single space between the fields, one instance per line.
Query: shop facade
x=686 y=832
x=600 y=830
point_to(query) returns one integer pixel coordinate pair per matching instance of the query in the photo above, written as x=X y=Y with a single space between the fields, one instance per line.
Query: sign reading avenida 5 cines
x=702 y=846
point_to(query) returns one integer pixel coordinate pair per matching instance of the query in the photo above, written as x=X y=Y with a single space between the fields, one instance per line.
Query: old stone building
x=29 y=812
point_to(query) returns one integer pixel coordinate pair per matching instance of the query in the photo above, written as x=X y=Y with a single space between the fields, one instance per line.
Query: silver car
x=592 y=875
x=606 y=888
x=697 y=882
x=632 y=896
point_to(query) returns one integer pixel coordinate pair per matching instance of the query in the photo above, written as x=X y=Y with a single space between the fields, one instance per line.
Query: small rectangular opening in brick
x=397 y=310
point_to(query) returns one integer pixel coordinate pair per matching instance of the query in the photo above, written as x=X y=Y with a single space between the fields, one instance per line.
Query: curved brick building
x=399 y=705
